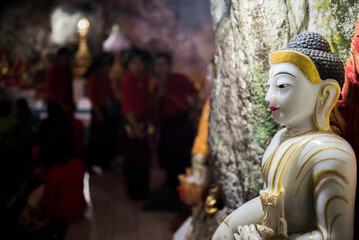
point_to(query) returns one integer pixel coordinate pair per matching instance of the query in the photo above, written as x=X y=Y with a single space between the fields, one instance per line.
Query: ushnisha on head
x=304 y=82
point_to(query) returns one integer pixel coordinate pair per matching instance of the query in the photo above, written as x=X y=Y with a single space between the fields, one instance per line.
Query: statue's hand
x=247 y=233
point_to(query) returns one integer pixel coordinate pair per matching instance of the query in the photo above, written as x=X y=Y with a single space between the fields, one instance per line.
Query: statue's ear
x=326 y=100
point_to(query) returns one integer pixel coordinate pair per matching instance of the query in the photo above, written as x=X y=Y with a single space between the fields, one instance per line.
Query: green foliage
x=339 y=45
x=322 y=4
x=263 y=125
x=252 y=177
x=341 y=16
x=221 y=140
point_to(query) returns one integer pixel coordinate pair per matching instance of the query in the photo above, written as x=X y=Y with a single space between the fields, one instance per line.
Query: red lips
x=273 y=109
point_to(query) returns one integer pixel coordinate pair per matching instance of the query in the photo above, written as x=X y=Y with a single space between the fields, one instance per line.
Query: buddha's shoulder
x=321 y=145
x=323 y=138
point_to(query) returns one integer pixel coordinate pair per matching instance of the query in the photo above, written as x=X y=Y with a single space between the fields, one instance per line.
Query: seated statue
x=309 y=172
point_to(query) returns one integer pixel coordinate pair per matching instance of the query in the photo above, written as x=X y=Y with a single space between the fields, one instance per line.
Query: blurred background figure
x=39 y=72
x=174 y=100
x=9 y=133
x=27 y=136
x=59 y=83
x=58 y=199
x=102 y=146
x=135 y=111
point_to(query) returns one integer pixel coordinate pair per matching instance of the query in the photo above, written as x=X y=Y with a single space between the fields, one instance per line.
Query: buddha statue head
x=304 y=82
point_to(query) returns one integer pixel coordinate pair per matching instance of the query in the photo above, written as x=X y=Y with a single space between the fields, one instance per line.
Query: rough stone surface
x=240 y=125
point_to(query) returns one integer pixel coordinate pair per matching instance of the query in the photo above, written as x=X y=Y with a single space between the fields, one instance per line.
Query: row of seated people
x=42 y=176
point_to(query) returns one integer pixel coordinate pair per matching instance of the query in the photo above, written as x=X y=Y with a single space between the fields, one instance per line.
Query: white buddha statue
x=309 y=173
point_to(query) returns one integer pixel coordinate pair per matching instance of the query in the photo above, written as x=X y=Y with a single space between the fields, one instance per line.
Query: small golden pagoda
x=83 y=56
x=83 y=60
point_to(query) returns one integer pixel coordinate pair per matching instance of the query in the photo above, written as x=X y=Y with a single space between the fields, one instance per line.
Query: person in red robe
x=135 y=111
x=59 y=200
x=63 y=197
x=103 y=130
x=58 y=83
x=175 y=96
x=63 y=200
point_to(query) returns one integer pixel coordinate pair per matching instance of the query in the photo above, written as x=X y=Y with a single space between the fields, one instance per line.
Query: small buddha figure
x=309 y=172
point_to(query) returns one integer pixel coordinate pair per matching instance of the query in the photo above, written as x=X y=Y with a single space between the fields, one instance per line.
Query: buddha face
x=291 y=95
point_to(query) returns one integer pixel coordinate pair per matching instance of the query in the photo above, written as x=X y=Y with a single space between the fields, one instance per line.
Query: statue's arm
x=334 y=185
x=249 y=213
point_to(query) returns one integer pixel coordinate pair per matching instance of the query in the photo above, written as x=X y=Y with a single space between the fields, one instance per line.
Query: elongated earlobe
x=326 y=100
